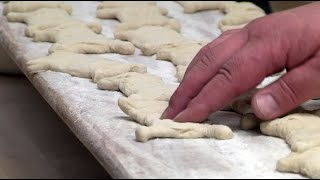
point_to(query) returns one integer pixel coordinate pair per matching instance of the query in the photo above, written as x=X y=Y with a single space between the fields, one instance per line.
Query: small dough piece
x=249 y=122
x=139 y=86
x=148 y=113
x=47 y=18
x=151 y=38
x=195 y=6
x=78 y=38
x=181 y=70
x=306 y=163
x=180 y=53
x=135 y=17
x=301 y=130
x=113 y=4
x=29 y=6
x=82 y=66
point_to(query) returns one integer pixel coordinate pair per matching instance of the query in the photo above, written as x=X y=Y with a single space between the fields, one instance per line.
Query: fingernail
x=267 y=105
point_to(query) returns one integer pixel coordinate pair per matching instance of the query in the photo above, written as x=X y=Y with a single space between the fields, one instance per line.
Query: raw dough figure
x=29 y=6
x=82 y=66
x=301 y=130
x=135 y=17
x=113 y=4
x=139 y=86
x=195 y=6
x=47 y=18
x=78 y=38
x=306 y=163
x=148 y=113
x=151 y=38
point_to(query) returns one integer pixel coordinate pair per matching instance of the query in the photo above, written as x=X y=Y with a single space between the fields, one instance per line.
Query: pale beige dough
x=300 y=130
x=113 y=4
x=29 y=6
x=180 y=53
x=180 y=71
x=239 y=14
x=82 y=66
x=306 y=163
x=134 y=17
x=79 y=38
x=46 y=18
x=149 y=39
x=139 y=86
x=195 y=6
x=147 y=113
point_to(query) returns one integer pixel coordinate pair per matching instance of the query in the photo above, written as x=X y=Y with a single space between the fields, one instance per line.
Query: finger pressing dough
x=139 y=86
x=47 y=18
x=150 y=38
x=306 y=163
x=113 y=4
x=78 y=38
x=301 y=130
x=135 y=17
x=195 y=6
x=82 y=66
x=148 y=113
x=28 y=6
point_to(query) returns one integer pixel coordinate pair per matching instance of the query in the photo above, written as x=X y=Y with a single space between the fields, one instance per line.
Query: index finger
x=206 y=65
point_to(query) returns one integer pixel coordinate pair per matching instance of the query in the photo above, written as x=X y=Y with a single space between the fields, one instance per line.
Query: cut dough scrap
x=29 y=6
x=181 y=70
x=135 y=17
x=300 y=130
x=139 y=86
x=82 y=66
x=195 y=6
x=113 y=4
x=148 y=113
x=78 y=38
x=306 y=163
x=47 y=18
x=180 y=53
x=151 y=38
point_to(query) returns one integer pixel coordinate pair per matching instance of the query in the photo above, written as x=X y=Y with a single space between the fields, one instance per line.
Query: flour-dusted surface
x=94 y=116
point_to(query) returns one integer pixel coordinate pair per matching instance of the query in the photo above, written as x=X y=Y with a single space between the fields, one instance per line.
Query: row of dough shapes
x=134 y=17
x=83 y=66
x=29 y=6
x=237 y=14
x=79 y=38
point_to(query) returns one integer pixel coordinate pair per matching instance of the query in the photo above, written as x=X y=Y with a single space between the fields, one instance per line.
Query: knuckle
x=208 y=60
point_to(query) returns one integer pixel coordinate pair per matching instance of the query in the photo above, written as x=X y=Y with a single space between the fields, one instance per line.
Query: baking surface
x=95 y=118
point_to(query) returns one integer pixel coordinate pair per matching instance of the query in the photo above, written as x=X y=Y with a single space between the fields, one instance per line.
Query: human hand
x=240 y=59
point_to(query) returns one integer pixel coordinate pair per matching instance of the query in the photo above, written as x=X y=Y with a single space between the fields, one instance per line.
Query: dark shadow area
x=34 y=141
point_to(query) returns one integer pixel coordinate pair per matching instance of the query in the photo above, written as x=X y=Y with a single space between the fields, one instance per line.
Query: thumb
x=294 y=88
